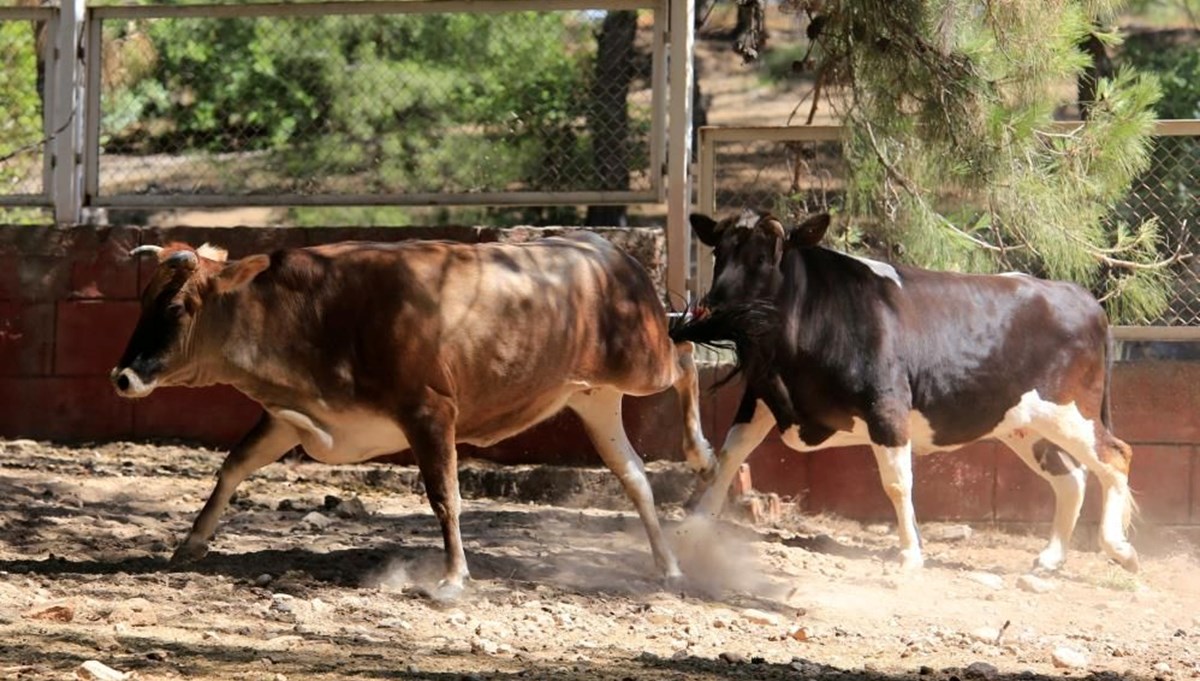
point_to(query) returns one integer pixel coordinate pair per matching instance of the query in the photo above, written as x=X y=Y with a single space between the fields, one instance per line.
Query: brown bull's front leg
x=266 y=442
x=431 y=435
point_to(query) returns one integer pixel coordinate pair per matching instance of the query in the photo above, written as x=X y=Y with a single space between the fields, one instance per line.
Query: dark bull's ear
x=241 y=272
x=707 y=229
x=810 y=232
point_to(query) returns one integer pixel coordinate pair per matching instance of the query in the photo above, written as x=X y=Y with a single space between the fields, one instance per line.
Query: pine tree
x=955 y=159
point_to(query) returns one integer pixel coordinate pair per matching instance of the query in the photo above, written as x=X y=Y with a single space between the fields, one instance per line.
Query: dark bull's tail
x=749 y=328
x=1105 y=402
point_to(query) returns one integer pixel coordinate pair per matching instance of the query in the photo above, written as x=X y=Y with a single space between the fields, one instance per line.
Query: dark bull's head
x=748 y=250
x=160 y=350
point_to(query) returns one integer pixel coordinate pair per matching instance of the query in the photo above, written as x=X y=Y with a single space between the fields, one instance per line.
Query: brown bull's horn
x=146 y=249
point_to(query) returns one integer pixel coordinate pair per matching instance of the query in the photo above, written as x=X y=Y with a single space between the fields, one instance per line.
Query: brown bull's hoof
x=188 y=553
x=445 y=591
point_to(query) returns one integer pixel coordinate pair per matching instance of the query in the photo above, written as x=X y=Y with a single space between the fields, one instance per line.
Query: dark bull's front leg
x=764 y=403
x=266 y=442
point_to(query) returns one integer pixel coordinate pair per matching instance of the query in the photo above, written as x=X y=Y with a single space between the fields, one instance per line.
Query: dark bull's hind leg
x=264 y=444
x=1067 y=478
x=431 y=436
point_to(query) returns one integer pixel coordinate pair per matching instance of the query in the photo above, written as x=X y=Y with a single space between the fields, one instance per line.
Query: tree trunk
x=609 y=119
x=1101 y=67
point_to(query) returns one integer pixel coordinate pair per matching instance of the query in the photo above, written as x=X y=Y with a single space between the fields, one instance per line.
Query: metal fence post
x=66 y=120
x=679 y=148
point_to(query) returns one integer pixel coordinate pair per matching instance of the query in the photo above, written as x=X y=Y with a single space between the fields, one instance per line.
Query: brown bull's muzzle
x=129 y=384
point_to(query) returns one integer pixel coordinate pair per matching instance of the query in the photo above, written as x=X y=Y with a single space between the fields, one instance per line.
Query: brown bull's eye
x=175 y=309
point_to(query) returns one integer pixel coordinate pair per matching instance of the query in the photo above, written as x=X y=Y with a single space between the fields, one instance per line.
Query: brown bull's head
x=160 y=350
x=748 y=250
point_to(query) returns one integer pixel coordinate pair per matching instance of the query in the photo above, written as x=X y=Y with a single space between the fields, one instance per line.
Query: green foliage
x=955 y=160
x=403 y=103
x=1177 y=67
x=21 y=124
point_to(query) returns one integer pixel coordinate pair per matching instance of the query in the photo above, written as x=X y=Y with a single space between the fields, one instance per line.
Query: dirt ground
x=558 y=592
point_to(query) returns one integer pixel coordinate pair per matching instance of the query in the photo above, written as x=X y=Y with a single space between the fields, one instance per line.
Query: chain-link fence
x=376 y=103
x=23 y=33
x=797 y=170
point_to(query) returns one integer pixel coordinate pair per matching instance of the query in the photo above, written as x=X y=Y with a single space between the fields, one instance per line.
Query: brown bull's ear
x=241 y=272
x=810 y=232
x=707 y=229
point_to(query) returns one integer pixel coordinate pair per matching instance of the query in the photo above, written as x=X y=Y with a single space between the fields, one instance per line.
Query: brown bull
x=360 y=349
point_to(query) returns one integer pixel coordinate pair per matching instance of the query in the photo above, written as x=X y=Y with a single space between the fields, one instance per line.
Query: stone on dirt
x=798 y=632
x=345 y=508
x=985 y=635
x=484 y=646
x=755 y=616
x=1162 y=668
x=263 y=579
x=981 y=670
x=94 y=670
x=1068 y=658
x=316 y=521
x=63 y=611
x=947 y=532
x=987 y=579
x=136 y=612
x=1034 y=584
x=731 y=657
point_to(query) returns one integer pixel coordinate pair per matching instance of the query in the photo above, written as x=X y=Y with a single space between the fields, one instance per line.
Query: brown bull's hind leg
x=687 y=387
x=264 y=444
x=431 y=436
x=600 y=411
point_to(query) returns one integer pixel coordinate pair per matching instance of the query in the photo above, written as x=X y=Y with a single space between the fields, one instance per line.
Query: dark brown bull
x=360 y=349
x=839 y=350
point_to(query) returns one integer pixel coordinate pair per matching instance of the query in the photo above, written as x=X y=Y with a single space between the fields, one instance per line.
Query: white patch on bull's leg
x=1066 y=427
x=600 y=411
x=896 y=472
x=857 y=435
x=1068 y=499
x=739 y=442
x=1118 y=508
x=261 y=446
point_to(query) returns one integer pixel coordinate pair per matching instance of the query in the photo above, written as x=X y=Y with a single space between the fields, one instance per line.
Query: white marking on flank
x=881 y=269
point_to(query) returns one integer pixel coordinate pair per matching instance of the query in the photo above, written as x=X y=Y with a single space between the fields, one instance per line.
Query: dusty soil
x=559 y=592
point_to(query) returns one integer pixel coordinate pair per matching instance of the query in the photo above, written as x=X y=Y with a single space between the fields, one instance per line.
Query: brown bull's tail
x=749 y=328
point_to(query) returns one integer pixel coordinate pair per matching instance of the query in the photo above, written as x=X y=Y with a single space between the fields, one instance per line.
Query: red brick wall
x=68 y=302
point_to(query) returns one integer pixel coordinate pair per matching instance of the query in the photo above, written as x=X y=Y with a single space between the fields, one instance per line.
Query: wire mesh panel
x=23 y=34
x=795 y=171
x=375 y=103
x=1169 y=193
